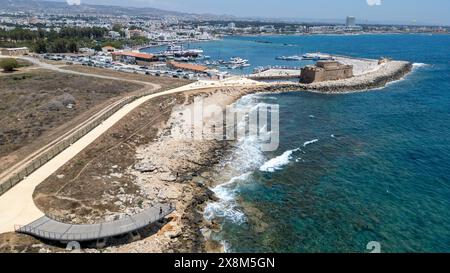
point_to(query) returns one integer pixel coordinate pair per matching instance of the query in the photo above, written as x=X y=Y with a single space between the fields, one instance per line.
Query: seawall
x=392 y=71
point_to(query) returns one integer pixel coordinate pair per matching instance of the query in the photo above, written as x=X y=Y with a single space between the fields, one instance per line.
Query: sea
x=352 y=170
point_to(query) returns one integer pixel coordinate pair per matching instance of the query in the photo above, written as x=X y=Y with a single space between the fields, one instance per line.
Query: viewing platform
x=50 y=229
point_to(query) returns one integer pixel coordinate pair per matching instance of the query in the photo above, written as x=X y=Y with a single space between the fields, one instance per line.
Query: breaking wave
x=279 y=162
x=226 y=207
x=310 y=142
x=419 y=65
x=238 y=167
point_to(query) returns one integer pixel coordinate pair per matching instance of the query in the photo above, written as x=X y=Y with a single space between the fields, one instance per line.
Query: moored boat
x=317 y=56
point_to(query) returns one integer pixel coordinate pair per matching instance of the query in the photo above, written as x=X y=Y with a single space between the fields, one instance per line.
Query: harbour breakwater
x=390 y=72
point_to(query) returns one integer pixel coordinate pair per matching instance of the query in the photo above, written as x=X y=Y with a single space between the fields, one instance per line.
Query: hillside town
x=116 y=41
x=175 y=28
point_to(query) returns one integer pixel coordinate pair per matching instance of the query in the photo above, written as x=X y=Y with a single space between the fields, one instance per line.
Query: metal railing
x=60 y=146
x=94 y=235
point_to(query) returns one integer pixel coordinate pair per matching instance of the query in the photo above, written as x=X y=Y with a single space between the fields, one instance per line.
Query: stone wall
x=356 y=84
x=14 y=51
x=326 y=71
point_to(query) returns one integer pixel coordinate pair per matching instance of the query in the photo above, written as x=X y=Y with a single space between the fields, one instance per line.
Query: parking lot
x=104 y=60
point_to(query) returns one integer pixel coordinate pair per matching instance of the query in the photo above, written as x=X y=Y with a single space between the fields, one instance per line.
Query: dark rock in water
x=204 y=195
x=145 y=167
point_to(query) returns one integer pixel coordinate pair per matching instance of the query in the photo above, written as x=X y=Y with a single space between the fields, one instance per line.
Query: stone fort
x=326 y=71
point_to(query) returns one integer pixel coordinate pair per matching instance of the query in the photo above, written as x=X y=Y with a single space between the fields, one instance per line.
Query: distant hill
x=64 y=8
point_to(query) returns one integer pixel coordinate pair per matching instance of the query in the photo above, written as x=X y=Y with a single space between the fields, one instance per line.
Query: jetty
x=276 y=74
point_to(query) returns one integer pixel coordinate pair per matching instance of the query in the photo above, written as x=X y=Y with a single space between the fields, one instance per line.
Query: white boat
x=238 y=66
x=317 y=56
x=290 y=58
x=179 y=51
x=236 y=62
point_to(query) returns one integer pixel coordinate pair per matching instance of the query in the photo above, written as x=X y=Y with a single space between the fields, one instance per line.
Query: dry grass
x=76 y=192
x=18 y=243
x=39 y=105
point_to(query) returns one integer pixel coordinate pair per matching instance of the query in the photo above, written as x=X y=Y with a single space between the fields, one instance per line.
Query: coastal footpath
x=157 y=165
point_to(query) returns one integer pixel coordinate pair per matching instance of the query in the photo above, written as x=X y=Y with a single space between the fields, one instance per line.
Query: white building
x=350 y=22
x=114 y=34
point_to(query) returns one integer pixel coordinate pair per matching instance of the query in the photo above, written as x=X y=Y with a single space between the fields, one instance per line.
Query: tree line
x=67 y=39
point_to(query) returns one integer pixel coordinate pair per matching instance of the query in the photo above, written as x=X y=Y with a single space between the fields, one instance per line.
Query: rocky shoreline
x=175 y=168
x=194 y=218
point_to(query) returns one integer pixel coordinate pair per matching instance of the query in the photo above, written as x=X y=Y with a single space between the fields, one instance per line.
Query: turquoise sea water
x=378 y=169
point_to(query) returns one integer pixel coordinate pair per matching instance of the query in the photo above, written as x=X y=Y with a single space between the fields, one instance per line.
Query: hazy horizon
x=434 y=12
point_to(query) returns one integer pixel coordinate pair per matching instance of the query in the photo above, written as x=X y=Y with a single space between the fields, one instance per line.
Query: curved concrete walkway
x=17 y=205
x=50 y=229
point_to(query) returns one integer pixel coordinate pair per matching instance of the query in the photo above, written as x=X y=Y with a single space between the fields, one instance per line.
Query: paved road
x=17 y=205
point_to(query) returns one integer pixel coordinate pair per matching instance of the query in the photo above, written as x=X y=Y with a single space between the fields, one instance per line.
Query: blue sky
x=390 y=11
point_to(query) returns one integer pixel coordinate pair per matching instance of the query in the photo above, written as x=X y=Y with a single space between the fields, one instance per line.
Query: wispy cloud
x=374 y=2
x=74 y=2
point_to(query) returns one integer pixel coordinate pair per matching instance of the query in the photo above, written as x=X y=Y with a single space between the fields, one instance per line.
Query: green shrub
x=8 y=65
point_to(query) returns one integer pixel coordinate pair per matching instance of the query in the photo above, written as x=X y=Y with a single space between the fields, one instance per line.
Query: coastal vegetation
x=122 y=43
x=8 y=65
x=66 y=40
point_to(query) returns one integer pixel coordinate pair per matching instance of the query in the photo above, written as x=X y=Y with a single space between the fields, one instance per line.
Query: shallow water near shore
x=351 y=168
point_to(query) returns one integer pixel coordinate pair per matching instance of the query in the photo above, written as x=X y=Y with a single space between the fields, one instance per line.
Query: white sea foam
x=269 y=97
x=226 y=207
x=418 y=65
x=278 y=162
x=415 y=67
x=246 y=157
x=310 y=142
x=226 y=246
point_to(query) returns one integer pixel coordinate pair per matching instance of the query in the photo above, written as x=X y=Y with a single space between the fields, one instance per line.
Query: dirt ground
x=19 y=243
x=39 y=105
x=76 y=193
